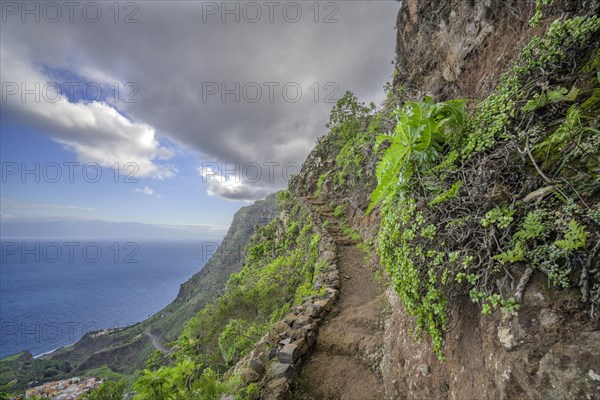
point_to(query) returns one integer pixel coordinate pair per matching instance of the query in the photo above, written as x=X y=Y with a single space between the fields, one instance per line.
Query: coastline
x=51 y=351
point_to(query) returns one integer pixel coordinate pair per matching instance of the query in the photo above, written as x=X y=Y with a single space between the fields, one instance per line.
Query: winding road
x=156 y=342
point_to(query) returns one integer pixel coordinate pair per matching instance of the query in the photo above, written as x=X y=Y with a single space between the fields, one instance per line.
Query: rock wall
x=550 y=349
x=459 y=48
x=275 y=361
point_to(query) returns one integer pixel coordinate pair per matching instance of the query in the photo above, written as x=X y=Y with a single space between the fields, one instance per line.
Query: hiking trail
x=349 y=344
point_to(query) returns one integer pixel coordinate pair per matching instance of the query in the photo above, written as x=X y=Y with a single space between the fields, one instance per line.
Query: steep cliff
x=478 y=307
x=461 y=48
x=211 y=280
x=444 y=245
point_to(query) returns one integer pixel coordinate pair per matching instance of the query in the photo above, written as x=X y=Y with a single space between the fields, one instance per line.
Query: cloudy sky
x=174 y=112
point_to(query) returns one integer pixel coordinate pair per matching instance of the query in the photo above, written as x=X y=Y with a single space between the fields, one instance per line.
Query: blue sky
x=181 y=199
x=161 y=120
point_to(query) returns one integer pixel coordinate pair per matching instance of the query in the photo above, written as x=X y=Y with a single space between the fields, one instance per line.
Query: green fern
x=447 y=195
x=532 y=227
x=575 y=237
x=549 y=96
x=500 y=216
x=512 y=255
x=569 y=128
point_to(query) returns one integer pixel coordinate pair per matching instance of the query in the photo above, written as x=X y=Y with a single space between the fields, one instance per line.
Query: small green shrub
x=502 y=217
x=320 y=183
x=537 y=16
x=109 y=390
x=421 y=131
x=339 y=211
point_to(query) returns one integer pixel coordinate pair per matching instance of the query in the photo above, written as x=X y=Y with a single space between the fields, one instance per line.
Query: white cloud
x=170 y=65
x=232 y=187
x=202 y=228
x=148 y=191
x=97 y=76
x=95 y=131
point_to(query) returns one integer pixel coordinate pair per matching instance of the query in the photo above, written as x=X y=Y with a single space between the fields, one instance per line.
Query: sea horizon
x=49 y=300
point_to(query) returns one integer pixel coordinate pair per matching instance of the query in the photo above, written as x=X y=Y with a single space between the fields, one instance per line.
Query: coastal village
x=68 y=389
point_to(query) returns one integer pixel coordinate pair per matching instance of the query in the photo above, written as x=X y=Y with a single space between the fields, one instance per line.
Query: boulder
x=313 y=326
x=313 y=310
x=331 y=293
x=301 y=321
x=318 y=283
x=281 y=328
x=298 y=310
x=272 y=353
x=281 y=370
x=324 y=304
x=328 y=256
x=303 y=346
x=289 y=353
x=298 y=333
x=290 y=318
x=277 y=389
x=249 y=375
x=258 y=362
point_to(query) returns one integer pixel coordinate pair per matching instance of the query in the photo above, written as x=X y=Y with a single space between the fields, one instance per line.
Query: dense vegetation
x=473 y=200
x=23 y=367
x=278 y=271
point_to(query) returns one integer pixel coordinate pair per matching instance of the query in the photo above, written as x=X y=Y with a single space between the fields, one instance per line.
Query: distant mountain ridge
x=105 y=230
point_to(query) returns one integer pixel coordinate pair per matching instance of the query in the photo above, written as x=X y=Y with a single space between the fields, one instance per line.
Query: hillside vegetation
x=119 y=353
x=278 y=272
x=484 y=215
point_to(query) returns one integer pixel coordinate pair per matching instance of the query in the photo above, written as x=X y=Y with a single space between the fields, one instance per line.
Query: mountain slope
x=125 y=350
x=474 y=194
x=473 y=232
x=484 y=213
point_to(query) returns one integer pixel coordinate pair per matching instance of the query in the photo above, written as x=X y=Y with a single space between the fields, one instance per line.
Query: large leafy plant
x=421 y=131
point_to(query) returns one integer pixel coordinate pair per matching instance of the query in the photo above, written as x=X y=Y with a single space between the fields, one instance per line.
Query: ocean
x=53 y=292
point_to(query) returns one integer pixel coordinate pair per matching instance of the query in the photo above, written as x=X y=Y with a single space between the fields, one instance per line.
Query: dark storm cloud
x=178 y=53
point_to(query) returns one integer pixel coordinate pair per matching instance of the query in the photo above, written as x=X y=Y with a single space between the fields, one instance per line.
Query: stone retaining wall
x=277 y=358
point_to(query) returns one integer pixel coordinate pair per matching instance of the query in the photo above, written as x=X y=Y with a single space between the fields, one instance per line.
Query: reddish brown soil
x=345 y=361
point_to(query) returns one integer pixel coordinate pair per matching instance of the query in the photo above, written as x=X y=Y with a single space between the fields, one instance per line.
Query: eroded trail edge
x=345 y=362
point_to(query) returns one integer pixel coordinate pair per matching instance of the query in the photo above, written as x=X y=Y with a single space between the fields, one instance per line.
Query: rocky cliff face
x=550 y=348
x=460 y=48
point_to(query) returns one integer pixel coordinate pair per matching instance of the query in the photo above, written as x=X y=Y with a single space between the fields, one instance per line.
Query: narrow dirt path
x=348 y=347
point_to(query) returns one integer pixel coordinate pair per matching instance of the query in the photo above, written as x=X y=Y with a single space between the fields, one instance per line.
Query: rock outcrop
x=459 y=48
x=549 y=349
